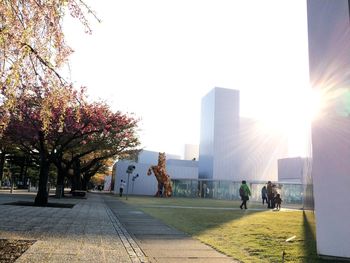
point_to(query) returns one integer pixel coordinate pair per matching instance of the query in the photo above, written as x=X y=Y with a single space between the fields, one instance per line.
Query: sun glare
x=291 y=114
x=287 y=111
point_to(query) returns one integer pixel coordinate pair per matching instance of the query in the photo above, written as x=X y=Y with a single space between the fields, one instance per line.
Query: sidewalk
x=85 y=233
x=160 y=242
x=97 y=229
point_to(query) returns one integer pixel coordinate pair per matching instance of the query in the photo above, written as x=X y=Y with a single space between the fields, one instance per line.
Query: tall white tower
x=329 y=56
x=219 y=138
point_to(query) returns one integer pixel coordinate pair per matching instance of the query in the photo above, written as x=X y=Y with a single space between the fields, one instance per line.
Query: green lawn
x=246 y=235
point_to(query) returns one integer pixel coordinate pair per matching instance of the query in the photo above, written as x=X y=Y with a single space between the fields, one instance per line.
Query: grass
x=246 y=235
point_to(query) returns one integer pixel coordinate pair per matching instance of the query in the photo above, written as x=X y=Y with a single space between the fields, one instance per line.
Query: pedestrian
x=274 y=194
x=244 y=192
x=264 y=195
x=121 y=187
x=269 y=194
x=278 y=201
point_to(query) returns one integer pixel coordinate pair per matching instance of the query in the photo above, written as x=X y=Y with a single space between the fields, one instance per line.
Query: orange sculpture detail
x=162 y=177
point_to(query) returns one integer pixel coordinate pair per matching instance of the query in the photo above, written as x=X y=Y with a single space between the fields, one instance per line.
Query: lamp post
x=133 y=181
x=129 y=171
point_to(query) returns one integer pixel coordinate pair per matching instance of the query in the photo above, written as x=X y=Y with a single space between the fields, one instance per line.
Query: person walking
x=274 y=194
x=244 y=192
x=264 y=195
x=121 y=188
x=269 y=194
x=278 y=201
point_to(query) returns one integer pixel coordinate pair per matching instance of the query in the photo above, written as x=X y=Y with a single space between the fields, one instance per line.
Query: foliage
x=33 y=48
x=78 y=131
x=98 y=179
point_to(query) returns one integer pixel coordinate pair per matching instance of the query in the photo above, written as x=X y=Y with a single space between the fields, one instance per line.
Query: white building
x=293 y=170
x=234 y=148
x=107 y=183
x=191 y=152
x=260 y=147
x=152 y=157
x=147 y=185
x=329 y=61
x=219 y=138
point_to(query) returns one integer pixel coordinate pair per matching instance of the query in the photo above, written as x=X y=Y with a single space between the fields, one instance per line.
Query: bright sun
x=291 y=113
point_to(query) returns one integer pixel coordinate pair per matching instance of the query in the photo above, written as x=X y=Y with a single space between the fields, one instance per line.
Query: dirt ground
x=10 y=250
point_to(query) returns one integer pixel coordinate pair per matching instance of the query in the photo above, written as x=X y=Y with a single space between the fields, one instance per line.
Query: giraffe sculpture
x=162 y=177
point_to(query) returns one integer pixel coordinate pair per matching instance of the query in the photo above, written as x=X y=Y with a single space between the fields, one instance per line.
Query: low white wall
x=143 y=185
x=147 y=185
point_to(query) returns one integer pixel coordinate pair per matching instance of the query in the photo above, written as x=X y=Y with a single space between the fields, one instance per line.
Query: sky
x=158 y=58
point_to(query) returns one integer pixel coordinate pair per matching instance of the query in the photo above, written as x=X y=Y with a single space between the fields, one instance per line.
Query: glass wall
x=229 y=190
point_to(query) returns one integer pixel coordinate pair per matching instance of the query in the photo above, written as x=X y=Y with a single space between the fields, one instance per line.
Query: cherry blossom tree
x=100 y=135
x=33 y=47
x=77 y=129
x=35 y=135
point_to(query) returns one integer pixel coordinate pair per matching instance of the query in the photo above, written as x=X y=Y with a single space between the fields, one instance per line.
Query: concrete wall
x=331 y=182
x=151 y=157
x=182 y=169
x=329 y=55
x=143 y=185
x=147 y=185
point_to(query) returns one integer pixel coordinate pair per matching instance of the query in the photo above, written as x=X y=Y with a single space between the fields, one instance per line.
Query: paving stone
x=33 y=258
x=160 y=242
x=98 y=229
x=63 y=236
x=195 y=260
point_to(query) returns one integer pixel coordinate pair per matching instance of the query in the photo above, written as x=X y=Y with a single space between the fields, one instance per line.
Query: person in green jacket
x=244 y=192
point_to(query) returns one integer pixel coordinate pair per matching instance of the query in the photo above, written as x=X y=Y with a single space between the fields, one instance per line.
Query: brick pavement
x=88 y=232
x=100 y=228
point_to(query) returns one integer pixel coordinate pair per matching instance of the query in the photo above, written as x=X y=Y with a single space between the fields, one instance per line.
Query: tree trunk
x=60 y=183
x=84 y=183
x=2 y=163
x=21 y=173
x=76 y=180
x=62 y=172
x=42 y=196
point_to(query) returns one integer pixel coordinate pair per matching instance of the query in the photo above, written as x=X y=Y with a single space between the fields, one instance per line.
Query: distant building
x=234 y=148
x=107 y=183
x=191 y=152
x=219 y=135
x=147 y=185
x=293 y=170
x=146 y=156
x=260 y=148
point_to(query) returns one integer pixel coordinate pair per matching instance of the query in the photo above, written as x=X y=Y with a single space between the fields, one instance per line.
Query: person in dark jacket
x=264 y=195
x=269 y=194
x=244 y=193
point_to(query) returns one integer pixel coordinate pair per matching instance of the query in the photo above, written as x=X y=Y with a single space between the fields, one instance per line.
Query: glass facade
x=229 y=190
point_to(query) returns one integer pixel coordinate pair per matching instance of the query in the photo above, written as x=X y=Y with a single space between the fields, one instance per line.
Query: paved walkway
x=97 y=229
x=160 y=242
